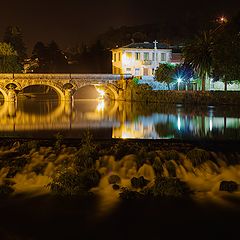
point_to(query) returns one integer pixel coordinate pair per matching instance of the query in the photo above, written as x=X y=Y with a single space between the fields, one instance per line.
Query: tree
x=165 y=73
x=50 y=57
x=8 y=59
x=198 y=55
x=13 y=36
x=226 y=54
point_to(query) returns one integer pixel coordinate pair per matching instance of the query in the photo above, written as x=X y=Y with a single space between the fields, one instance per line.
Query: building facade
x=142 y=59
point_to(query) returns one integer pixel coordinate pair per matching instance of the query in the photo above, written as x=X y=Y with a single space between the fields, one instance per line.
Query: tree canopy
x=13 y=35
x=8 y=59
x=165 y=73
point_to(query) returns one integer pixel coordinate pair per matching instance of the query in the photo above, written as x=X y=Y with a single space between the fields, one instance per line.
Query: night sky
x=70 y=21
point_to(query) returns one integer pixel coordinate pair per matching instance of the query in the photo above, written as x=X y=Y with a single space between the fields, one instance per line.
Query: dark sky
x=72 y=21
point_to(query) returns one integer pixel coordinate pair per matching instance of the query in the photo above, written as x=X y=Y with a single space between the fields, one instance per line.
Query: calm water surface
x=106 y=119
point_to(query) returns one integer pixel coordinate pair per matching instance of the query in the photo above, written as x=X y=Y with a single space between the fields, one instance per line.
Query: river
x=111 y=119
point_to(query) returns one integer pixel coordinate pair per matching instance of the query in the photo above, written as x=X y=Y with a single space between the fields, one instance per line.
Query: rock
x=113 y=179
x=229 y=186
x=115 y=187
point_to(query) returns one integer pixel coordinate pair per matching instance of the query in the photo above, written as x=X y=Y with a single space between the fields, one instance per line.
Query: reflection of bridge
x=64 y=84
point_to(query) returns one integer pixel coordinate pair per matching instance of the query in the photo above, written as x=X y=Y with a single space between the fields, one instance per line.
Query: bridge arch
x=58 y=89
x=110 y=89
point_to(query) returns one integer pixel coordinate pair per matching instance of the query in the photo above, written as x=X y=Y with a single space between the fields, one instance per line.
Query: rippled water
x=106 y=119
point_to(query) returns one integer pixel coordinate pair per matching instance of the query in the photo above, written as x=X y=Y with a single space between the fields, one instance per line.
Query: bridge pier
x=11 y=96
x=68 y=96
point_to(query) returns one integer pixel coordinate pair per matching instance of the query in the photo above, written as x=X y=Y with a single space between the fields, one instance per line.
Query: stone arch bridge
x=64 y=84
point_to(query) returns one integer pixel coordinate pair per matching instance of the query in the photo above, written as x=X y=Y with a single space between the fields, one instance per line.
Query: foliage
x=165 y=73
x=8 y=59
x=71 y=182
x=198 y=156
x=27 y=146
x=170 y=187
x=127 y=194
x=50 y=58
x=139 y=182
x=59 y=140
x=13 y=36
x=227 y=47
x=198 y=55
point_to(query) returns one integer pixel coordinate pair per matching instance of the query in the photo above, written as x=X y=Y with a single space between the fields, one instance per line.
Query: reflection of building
x=142 y=59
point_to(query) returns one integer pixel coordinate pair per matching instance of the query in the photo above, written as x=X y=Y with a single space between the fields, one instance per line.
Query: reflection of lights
x=100 y=106
x=179 y=123
x=210 y=124
x=101 y=92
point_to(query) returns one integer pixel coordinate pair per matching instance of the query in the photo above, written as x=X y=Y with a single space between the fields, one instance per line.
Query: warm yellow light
x=100 y=106
x=101 y=92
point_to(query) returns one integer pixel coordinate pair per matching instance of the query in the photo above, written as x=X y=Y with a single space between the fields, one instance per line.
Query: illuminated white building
x=142 y=59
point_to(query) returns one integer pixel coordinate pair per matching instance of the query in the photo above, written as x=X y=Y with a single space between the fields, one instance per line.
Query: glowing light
x=179 y=123
x=100 y=106
x=210 y=124
x=101 y=93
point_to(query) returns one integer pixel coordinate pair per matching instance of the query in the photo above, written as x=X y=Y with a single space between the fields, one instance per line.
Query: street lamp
x=179 y=80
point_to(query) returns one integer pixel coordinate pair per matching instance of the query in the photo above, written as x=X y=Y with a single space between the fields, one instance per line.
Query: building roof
x=146 y=45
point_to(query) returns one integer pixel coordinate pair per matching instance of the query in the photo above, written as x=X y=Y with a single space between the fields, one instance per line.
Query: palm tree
x=198 y=54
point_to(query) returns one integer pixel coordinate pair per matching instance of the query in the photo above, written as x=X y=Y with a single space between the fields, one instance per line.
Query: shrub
x=139 y=182
x=114 y=179
x=26 y=147
x=127 y=194
x=170 y=187
x=71 y=182
x=198 y=156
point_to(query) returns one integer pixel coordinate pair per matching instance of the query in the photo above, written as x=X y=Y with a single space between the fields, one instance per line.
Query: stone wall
x=143 y=93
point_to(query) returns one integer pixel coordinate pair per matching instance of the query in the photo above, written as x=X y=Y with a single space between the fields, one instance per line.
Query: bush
x=198 y=156
x=139 y=182
x=170 y=187
x=26 y=147
x=127 y=194
x=114 y=179
x=72 y=182
x=229 y=186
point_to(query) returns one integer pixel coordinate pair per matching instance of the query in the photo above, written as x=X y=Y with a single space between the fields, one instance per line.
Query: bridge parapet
x=75 y=76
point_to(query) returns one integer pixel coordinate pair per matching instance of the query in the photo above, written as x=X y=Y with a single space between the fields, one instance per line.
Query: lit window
x=137 y=56
x=114 y=57
x=119 y=57
x=153 y=55
x=129 y=55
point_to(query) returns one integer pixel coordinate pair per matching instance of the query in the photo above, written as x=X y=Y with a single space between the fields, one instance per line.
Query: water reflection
x=122 y=119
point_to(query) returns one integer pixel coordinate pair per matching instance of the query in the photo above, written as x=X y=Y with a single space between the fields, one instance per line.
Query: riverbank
x=131 y=189
x=143 y=93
